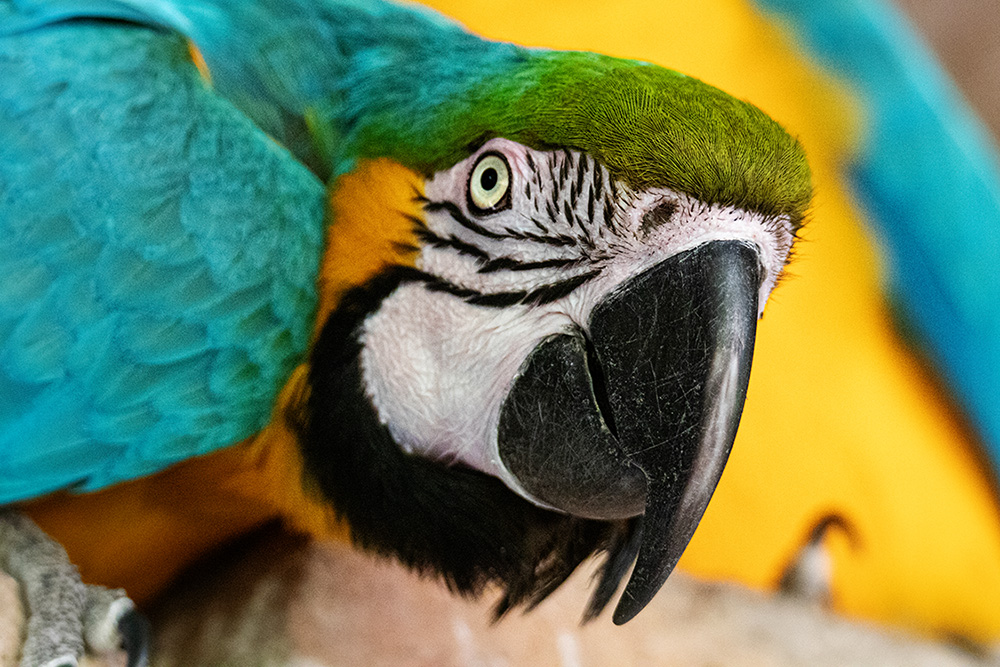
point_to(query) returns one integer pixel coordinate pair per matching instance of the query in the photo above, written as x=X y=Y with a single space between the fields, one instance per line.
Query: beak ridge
x=666 y=363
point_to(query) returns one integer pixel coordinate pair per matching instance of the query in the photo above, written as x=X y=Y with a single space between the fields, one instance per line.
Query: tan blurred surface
x=11 y=619
x=289 y=603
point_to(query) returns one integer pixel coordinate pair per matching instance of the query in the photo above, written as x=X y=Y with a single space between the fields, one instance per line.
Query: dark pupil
x=489 y=179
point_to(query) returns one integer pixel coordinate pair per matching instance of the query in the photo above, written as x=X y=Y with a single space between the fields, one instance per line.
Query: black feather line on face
x=454 y=522
x=456 y=214
x=538 y=296
x=550 y=209
x=609 y=213
x=570 y=218
x=511 y=264
x=427 y=237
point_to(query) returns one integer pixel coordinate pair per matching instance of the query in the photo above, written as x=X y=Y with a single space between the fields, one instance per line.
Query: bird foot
x=65 y=616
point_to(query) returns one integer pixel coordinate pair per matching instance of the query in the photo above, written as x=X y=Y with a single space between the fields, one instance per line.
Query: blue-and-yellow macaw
x=844 y=419
x=850 y=425
x=517 y=331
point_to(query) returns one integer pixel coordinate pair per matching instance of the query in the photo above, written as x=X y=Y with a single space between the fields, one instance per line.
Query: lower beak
x=637 y=414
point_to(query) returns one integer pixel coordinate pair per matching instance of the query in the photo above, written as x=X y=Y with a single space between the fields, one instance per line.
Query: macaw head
x=540 y=300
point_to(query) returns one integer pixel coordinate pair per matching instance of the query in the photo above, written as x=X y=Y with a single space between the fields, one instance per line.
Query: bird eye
x=489 y=184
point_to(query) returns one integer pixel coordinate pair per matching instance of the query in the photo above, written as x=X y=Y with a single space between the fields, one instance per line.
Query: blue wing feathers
x=162 y=340
x=158 y=251
x=171 y=237
x=348 y=61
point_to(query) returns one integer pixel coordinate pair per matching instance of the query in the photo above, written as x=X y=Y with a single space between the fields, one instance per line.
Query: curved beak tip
x=629 y=605
x=679 y=337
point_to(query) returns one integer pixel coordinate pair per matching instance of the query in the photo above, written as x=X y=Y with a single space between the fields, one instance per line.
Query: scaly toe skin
x=61 y=661
x=112 y=622
x=50 y=586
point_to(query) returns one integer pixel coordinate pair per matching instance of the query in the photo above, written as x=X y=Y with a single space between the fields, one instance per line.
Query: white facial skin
x=437 y=365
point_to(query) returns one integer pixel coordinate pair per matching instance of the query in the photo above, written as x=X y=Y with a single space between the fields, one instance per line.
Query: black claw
x=135 y=632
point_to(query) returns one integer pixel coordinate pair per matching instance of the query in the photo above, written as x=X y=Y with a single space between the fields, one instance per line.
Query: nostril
x=600 y=386
x=658 y=215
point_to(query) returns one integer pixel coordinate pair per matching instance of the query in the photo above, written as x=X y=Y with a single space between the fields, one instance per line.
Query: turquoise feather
x=159 y=255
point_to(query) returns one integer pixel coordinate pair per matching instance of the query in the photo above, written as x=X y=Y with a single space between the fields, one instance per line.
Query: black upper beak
x=637 y=415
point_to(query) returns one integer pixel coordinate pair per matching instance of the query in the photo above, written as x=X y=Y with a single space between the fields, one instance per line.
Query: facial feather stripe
x=567 y=218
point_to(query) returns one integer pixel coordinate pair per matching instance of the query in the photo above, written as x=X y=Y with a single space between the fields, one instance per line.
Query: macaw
x=845 y=418
x=516 y=331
